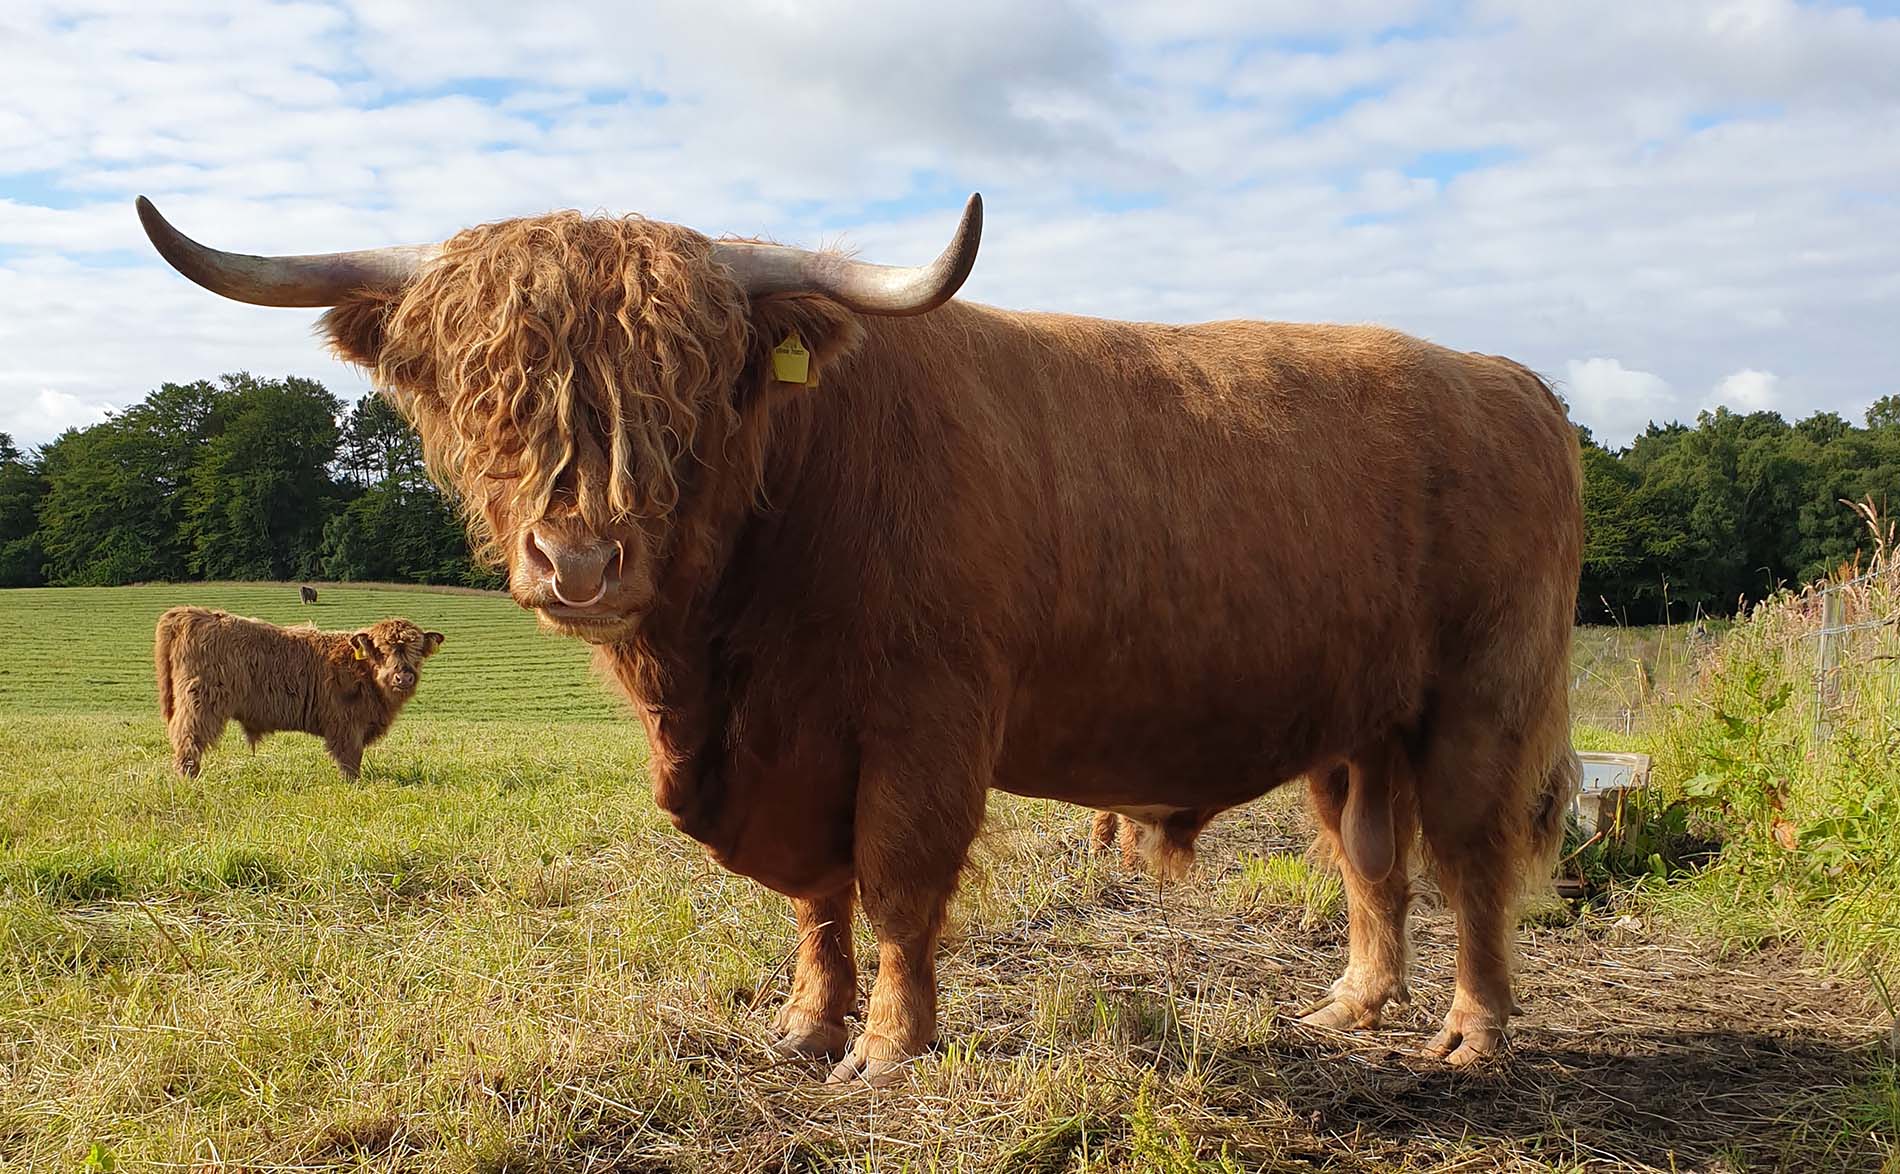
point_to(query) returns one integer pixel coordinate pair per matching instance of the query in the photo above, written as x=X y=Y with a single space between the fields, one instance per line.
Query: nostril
x=577 y=571
x=540 y=562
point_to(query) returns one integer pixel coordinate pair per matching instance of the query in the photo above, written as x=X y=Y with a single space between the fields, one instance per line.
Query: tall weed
x=1801 y=783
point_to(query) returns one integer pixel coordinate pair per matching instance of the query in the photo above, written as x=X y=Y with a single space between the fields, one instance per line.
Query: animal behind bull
x=344 y=687
x=859 y=553
x=307 y=594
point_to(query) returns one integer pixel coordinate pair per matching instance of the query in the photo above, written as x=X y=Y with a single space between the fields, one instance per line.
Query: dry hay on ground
x=1635 y=1051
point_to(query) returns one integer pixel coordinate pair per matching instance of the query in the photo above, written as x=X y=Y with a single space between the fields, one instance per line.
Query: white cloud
x=47 y=413
x=1690 y=187
x=1615 y=400
x=1747 y=390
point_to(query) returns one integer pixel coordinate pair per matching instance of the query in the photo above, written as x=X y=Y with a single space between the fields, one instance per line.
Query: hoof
x=1339 y=1015
x=1463 y=1044
x=876 y=1062
x=824 y=1041
x=875 y=1073
x=802 y=1033
x=1352 y=1004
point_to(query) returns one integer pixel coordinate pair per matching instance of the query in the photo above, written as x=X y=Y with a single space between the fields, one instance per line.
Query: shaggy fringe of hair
x=567 y=332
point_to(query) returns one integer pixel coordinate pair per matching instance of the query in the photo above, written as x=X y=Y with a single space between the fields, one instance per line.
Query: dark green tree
x=398 y=533
x=402 y=527
x=379 y=447
x=260 y=489
x=21 y=490
x=114 y=504
x=1615 y=537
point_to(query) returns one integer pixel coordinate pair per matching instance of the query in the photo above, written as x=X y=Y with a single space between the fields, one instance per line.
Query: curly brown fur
x=345 y=687
x=535 y=346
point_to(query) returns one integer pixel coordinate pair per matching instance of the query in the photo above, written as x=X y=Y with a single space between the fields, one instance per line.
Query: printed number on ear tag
x=791 y=362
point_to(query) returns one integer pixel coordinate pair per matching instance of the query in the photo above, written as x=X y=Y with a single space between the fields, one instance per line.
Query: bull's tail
x=1550 y=808
x=162 y=660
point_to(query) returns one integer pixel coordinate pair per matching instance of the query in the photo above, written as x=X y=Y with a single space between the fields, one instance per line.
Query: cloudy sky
x=1662 y=205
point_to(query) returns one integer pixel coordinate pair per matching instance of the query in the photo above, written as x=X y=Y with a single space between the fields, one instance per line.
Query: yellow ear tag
x=791 y=362
x=358 y=652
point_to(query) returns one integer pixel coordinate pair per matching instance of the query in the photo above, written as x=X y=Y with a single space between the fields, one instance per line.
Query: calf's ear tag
x=357 y=652
x=791 y=362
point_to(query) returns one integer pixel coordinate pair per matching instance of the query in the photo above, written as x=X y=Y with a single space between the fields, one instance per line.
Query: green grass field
x=89 y=649
x=493 y=954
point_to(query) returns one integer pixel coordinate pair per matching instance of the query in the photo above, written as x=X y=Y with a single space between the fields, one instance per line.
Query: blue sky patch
x=1444 y=166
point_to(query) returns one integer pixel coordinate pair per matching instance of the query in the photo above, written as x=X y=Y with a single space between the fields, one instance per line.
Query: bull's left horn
x=888 y=290
x=316 y=279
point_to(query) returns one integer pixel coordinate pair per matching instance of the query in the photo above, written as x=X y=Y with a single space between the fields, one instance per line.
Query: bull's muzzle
x=577 y=569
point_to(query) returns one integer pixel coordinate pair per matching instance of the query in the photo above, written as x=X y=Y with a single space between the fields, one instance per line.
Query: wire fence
x=1857 y=650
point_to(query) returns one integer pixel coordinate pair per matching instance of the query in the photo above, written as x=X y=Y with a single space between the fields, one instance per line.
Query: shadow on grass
x=1680 y=1100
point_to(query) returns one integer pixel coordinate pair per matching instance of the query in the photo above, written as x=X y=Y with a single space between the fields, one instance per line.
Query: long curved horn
x=888 y=290
x=317 y=279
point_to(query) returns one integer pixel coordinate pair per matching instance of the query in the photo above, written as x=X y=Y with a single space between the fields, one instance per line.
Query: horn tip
x=155 y=225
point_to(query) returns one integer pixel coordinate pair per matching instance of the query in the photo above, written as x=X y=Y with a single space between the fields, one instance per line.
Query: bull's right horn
x=889 y=290
x=316 y=279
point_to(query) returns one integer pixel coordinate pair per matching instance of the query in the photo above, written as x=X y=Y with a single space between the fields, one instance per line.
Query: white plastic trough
x=1607 y=777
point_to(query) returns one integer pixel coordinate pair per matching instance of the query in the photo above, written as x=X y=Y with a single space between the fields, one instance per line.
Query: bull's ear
x=356 y=327
x=432 y=641
x=824 y=330
x=362 y=646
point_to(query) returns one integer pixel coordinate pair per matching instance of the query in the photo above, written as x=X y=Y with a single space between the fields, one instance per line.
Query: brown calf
x=344 y=687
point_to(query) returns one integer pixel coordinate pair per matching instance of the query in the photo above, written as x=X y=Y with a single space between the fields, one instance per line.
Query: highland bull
x=858 y=553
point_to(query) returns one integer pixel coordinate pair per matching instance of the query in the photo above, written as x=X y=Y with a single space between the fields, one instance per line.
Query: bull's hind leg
x=824 y=979
x=1475 y=796
x=920 y=805
x=1368 y=820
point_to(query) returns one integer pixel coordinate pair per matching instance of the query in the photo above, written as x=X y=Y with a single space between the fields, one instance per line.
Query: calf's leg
x=1110 y=829
x=824 y=979
x=194 y=727
x=1367 y=818
x=346 y=748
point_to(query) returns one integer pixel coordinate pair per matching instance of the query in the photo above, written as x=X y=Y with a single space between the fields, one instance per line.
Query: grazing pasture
x=89 y=649
x=493 y=954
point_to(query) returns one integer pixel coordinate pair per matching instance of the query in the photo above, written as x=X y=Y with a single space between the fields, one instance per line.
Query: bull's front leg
x=920 y=805
x=824 y=980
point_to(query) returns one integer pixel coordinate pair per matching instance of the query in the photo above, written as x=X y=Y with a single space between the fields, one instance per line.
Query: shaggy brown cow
x=859 y=553
x=344 y=687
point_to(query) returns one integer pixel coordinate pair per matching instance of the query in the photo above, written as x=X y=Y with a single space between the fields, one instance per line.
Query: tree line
x=247 y=478
x=1697 y=520
x=241 y=478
